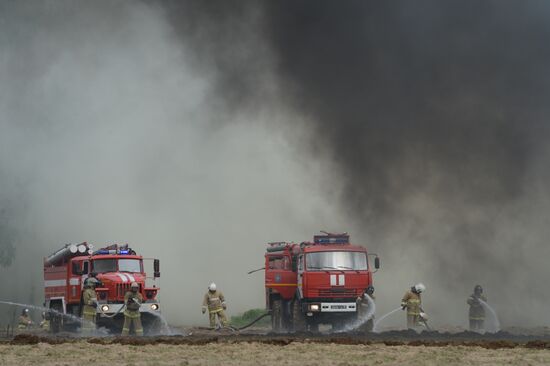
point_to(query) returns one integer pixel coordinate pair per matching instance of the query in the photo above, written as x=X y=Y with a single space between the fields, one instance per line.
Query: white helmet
x=134 y=285
x=419 y=287
x=212 y=287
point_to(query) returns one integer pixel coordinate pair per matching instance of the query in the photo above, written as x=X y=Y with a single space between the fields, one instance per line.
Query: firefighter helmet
x=478 y=289
x=419 y=287
x=90 y=282
x=25 y=311
x=134 y=285
x=369 y=290
x=212 y=287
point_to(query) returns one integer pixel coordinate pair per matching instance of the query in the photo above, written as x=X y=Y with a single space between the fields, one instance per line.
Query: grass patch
x=248 y=316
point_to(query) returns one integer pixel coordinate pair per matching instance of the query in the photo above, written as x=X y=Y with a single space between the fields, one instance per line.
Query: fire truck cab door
x=75 y=285
x=300 y=275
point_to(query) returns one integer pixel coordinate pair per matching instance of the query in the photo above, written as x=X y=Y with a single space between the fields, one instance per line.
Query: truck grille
x=337 y=292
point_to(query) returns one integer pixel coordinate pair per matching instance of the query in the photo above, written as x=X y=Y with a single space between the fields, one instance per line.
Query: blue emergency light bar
x=112 y=251
x=326 y=239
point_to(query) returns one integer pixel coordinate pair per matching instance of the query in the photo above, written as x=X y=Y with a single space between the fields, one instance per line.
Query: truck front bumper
x=110 y=309
x=332 y=307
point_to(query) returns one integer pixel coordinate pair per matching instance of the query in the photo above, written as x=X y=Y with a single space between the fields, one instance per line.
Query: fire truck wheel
x=56 y=319
x=277 y=316
x=314 y=327
x=298 y=318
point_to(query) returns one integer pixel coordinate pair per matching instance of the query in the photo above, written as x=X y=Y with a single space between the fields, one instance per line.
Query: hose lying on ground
x=252 y=322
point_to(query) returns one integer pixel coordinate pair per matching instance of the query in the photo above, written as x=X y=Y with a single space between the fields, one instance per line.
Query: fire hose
x=119 y=310
x=115 y=314
x=252 y=322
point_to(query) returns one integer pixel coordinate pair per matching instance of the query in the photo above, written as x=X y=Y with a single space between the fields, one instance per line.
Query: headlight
x=314 y=307
x=154 y=306
x=105 y=308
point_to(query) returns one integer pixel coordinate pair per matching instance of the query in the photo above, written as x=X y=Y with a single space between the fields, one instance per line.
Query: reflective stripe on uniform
x=132 y=314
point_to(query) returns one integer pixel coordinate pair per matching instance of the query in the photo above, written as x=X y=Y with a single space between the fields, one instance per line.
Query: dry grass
x=302 y=354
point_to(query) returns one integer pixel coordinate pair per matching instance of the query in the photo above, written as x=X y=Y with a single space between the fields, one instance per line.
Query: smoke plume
x=113 y=130
x=197 y=131
x=434 y=114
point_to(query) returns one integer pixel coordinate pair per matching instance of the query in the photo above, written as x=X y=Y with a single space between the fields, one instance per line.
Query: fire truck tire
x=314 y=327
x=56 y=322
x=277 y=316
x=298 y=318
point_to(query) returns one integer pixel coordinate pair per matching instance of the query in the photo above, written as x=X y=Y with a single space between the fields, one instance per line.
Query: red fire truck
x=315 y=282
x=115 y=268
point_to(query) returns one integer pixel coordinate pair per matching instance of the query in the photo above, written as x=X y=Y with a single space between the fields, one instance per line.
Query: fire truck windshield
x=110 y=265
x=319 y=261
x=104 y=265
x=129 y=265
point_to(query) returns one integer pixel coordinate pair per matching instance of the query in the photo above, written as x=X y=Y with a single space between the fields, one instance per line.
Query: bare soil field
x=214 y=348
x=82 y=352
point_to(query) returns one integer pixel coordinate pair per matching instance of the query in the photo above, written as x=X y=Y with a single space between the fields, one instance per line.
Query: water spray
x=375 y=328
x=495 y=322
x=164 y=322
x=41 y=308
x=369 y=315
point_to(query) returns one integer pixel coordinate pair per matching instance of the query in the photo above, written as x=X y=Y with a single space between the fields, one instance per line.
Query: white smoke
x=110 y=135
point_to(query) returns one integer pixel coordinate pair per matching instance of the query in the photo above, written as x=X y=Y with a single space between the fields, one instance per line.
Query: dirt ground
x=199 y=346
x=303 y=353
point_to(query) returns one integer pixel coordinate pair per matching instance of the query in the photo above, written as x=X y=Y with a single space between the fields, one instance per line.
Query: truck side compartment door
x=74 y=281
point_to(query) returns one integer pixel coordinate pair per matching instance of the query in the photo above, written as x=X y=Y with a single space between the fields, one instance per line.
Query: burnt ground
x=525 y=338
x=202 y=347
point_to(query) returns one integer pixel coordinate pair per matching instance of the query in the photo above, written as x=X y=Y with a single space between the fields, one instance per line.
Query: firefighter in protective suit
x=363 y=309
x=25 y=320
x=132 y=300
x=214 y=302
x=412 y=302
x=477 y=312
x=89 y=307
x=45 y=323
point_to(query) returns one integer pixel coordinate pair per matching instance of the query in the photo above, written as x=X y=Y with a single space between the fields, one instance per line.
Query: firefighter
x=412 y=302
x=214 y=301
x=477 y=312
x=25 y=321
x=132 y=300
x=89 y=307
x=45 y=323
x=363 y=309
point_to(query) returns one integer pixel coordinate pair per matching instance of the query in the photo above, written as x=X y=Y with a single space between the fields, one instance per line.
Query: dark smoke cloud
x=429 y=122
x=435 y=113
x=210 y=126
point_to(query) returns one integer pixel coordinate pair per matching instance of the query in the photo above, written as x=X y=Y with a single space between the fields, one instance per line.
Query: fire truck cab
x=317 y=282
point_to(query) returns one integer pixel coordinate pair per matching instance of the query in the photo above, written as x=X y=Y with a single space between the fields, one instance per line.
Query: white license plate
x=338 y=307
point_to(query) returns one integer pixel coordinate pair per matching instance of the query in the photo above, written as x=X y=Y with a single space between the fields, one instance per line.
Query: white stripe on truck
x=55 y=283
